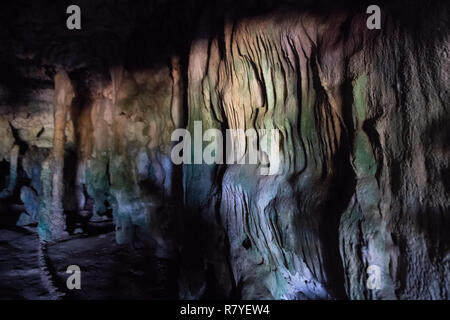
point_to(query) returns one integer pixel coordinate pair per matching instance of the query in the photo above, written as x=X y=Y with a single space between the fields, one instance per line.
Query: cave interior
x=349 y=201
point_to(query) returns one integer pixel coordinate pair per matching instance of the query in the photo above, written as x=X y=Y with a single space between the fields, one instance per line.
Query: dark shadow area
x=4 y=174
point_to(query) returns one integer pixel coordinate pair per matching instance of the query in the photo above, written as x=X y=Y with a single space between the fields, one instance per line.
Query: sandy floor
x=108 y=270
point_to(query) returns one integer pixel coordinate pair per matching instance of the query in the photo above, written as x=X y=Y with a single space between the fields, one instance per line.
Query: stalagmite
x=64 y=93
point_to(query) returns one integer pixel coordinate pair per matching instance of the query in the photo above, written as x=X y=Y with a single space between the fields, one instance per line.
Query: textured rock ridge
x=354 y=114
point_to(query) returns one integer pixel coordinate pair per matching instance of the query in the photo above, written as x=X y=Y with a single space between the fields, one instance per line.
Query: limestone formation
x=363 y=155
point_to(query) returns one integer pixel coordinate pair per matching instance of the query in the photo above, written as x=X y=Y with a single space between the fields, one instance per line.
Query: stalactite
x=176 y=106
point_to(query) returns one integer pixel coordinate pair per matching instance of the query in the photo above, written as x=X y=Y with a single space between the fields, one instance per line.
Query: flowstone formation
x=362 y=164
x=363 y=181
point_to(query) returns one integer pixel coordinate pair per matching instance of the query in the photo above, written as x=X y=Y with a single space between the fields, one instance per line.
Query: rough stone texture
x=363 y=155
x=364 y=162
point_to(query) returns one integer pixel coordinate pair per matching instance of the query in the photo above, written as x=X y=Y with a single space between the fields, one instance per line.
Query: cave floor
x=19 y=267
x=108 y=270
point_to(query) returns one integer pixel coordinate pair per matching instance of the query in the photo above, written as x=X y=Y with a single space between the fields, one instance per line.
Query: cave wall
x=356 y=110
x=362 y=163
